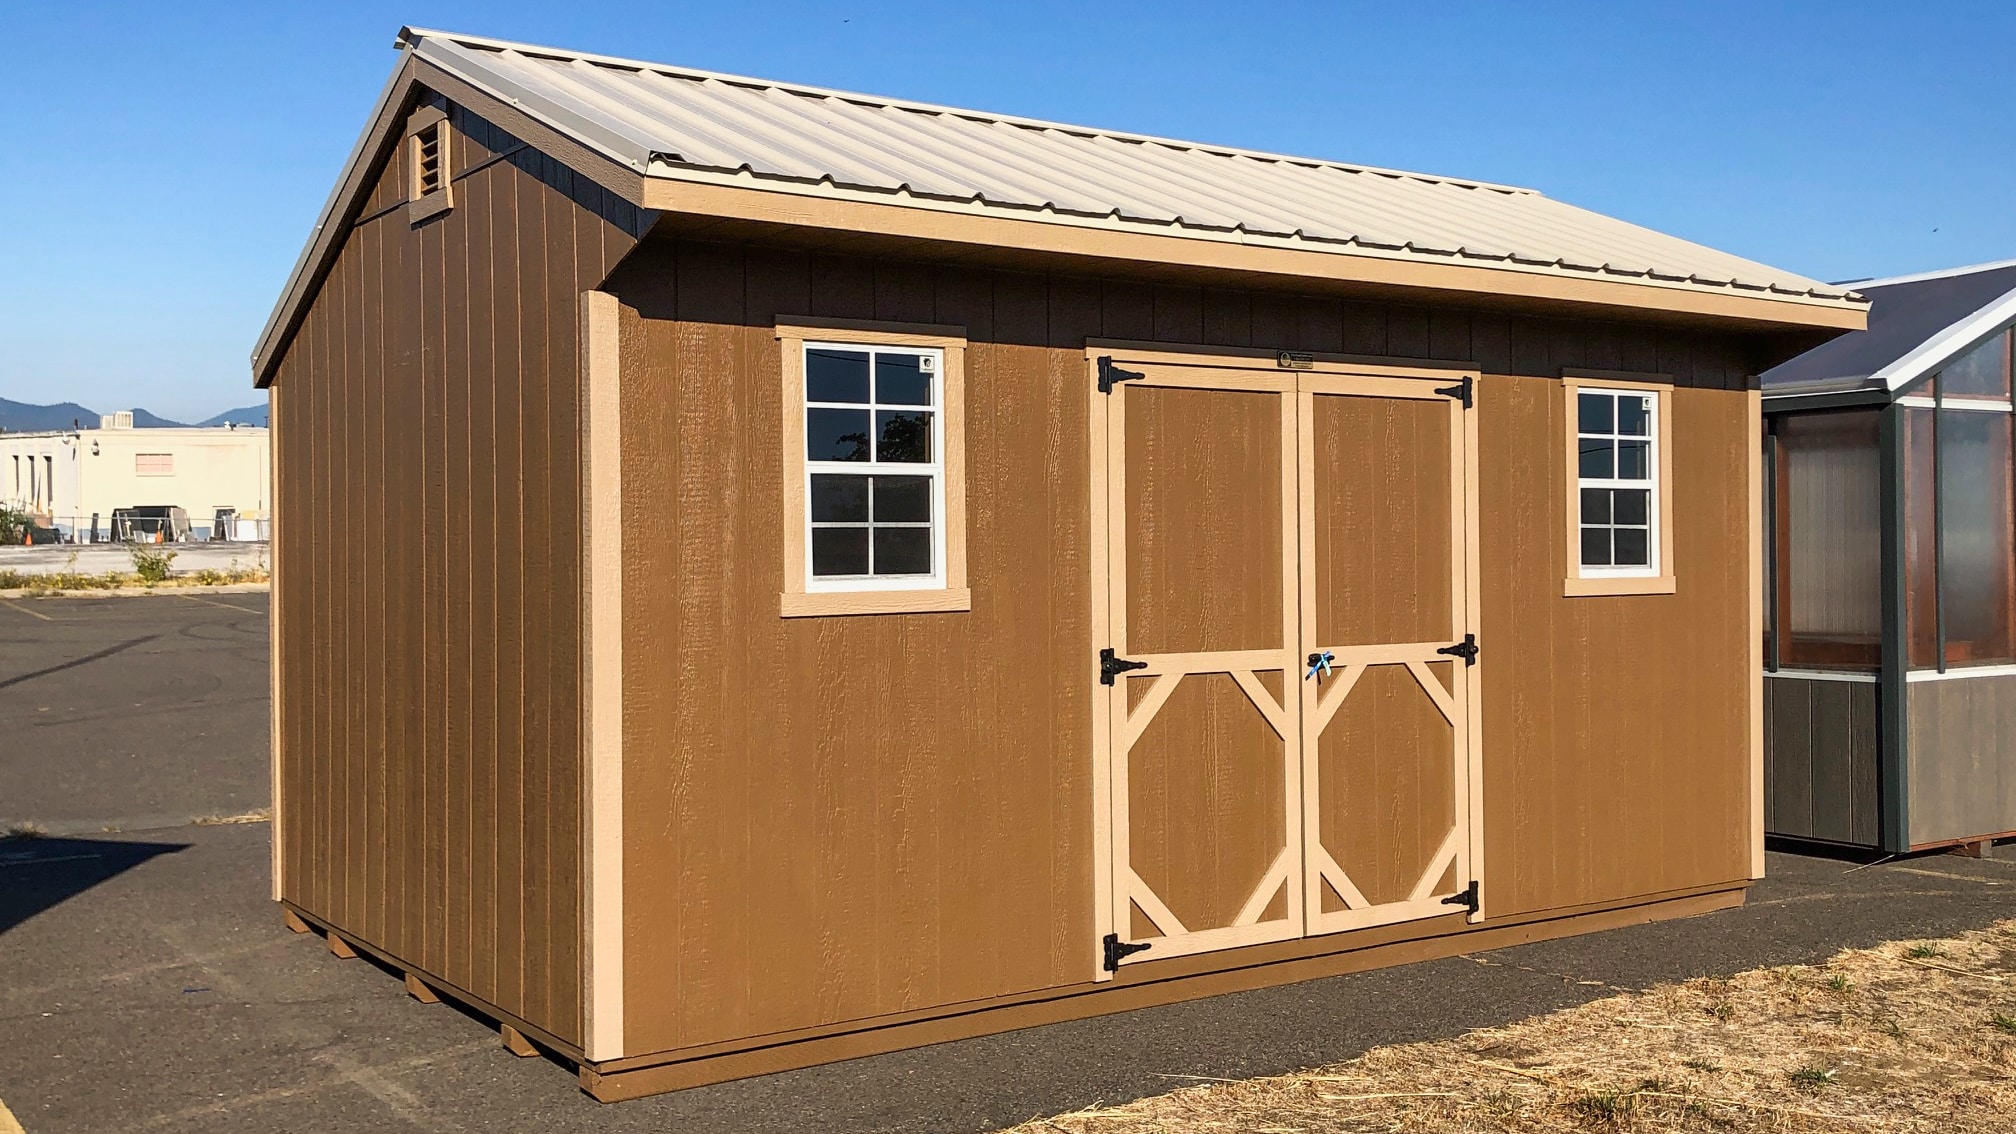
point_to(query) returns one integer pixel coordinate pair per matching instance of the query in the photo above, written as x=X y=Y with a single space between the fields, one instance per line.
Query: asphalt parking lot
x=146 y=982
x=132 y=713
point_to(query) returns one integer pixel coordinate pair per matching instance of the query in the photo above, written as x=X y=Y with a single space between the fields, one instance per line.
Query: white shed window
x=1616 y=476
x=1619 y=485
x=874 y=467
x=153 y=464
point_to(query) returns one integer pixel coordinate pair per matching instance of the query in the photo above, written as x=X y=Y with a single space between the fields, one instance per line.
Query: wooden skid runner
x=517 y=1036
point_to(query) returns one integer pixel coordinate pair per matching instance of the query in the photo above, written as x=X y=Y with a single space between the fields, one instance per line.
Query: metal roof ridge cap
x=1946 y=344
x=1920 y=277
x=615 y=139
x=416 y=36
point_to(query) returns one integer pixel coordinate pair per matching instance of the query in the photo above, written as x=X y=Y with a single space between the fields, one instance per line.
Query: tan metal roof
x=678 y=123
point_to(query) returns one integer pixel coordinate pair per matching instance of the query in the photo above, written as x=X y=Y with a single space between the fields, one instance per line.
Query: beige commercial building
x=73 y=480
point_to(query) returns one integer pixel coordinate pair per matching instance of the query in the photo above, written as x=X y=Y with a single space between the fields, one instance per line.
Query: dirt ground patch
x=1910 y=1036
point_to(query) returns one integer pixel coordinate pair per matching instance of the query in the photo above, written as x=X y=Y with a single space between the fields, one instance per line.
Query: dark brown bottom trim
x=508 y=1024
x=635 y=1077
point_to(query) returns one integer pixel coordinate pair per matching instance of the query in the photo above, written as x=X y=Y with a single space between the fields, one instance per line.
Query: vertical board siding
x=833 y=819
x=1820 y=741
x=1963 y=780
x=1616 y=728
x=430 y=761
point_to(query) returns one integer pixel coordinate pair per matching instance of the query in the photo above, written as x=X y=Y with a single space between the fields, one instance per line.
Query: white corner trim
x=602 y=679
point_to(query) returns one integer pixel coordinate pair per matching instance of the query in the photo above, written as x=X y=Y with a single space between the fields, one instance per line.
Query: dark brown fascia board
x=412 y=79
x=960 y=229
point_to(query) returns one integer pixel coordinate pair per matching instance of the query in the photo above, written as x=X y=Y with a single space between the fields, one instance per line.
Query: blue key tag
x=1319 y=665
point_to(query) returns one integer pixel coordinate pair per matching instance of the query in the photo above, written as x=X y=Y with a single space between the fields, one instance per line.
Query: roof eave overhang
x=1957 y=339
x=628 y=168
x=1782 y=401
x=740 y=197
x=337 y=211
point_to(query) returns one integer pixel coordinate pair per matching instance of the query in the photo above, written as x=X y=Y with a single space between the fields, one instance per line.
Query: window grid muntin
x=1649 y=484
x=933 y=470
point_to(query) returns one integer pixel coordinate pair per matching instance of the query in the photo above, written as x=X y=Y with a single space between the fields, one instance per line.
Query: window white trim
x=1656 y=577
x=935 y=469
x=944 y=589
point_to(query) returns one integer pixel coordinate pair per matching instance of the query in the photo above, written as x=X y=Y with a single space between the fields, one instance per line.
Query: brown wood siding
x=831 y=819
x=1963 y=774
x=1820 y=741
x=429 y=445
x=1616 y=728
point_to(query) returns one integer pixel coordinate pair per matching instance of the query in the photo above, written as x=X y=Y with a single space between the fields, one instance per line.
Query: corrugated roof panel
x=648 y=115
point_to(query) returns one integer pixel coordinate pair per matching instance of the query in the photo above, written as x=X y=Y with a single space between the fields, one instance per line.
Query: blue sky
x=160 y=164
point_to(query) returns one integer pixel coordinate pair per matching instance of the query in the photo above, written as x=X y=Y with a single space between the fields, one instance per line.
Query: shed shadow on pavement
x=38 y=873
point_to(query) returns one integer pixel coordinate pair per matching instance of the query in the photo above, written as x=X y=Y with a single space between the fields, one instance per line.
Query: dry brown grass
x=1911 y=1036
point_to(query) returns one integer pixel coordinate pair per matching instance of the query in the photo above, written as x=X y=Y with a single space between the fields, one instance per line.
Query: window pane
x=839 y=551
x=902 y=499
x=903 y=436
x=1633 y=460
x=1634 y=416
x=836 y=375
x=839 y=499
x=1921 y=579
x=1632 y=505
x=1595 y=547
x=1595 y=505
x=1634 y=547
x=902 y=551
x=1982 y=372
x=836 y=435
x=901 y=380
x=1598 y=459
x=1974 y=534
x=1595 y=412
x=1829 y=593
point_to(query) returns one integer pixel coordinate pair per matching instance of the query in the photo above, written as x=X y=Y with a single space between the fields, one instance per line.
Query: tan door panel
x=1386 y=739
x=1204 y=767
x=1246 y=522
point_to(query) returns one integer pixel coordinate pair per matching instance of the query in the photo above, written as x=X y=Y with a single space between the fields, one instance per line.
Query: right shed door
x=1387 y=543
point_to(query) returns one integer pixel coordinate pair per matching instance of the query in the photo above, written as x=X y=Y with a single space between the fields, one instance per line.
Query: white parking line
x=45 y=618
x=8 y=1123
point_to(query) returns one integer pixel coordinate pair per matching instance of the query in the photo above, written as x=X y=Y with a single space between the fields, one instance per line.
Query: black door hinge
x=1461 y=391
x=1109 y=374
x=1110 y=666
x=1465 y=649
x=1467 y=899
x=1117 y=950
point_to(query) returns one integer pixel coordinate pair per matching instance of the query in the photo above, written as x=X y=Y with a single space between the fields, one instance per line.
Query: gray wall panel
x=1962 y=758
x=1820 y=759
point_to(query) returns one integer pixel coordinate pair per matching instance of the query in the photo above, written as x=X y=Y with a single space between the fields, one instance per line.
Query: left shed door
x=1201 y=533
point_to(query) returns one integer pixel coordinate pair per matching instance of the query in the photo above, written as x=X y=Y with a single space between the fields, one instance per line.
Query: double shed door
x=1284 y=718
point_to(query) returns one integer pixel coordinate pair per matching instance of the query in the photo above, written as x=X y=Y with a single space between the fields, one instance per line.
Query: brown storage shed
x=767 y=575
x=1890 y=653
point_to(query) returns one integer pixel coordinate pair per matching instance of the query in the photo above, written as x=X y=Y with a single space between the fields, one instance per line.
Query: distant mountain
x=21 y=417
x=247 y=415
